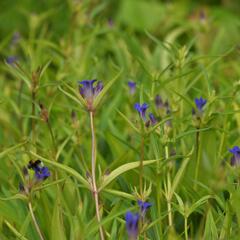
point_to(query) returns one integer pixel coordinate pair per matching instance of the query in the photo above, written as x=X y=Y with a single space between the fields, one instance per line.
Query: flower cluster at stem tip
x=89 y=92
x=200 y=103
x=132 y=219
x=142 y=112
x=235 y=159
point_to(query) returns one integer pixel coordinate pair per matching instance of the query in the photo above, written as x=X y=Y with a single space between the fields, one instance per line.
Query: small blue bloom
x=42 y=173
x=144 y=206
x=132 y=87
x=159 y=102
x=132 y=225
x=15 y=38
x=152 y=119
x=235 y=160
x=88 y=91
x=200 y=103
x=141 y=110
x=11 y=60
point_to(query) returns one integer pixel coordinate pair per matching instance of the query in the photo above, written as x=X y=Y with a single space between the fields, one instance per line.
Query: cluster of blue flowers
x=235 y=160
x=132 y=219
x=142 y=112
x=89 y=92
x=41 y=173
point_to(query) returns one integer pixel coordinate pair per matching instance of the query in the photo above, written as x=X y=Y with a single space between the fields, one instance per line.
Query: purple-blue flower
x=152 y=119
x=144 y=206
x=235 y=160
x=132 y=87
x=200 y=103
x=141 y=110
x=159 y=102
x=88 y=91
x=41 y=172
x=11 y=60
x=132 y=225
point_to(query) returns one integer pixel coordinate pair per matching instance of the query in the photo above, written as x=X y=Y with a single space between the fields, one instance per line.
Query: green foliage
x=180 y=50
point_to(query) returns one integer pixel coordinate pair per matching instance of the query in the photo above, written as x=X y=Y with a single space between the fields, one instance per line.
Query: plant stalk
x=141 y=167
x=94 y=185
x=169 y=207
x=186 y=228
x=35 y=221
x=198 y=156
x=33 y=115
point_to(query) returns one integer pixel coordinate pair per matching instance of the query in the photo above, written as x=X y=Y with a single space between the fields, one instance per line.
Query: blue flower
x=235 y=160
x=88 y=91
x=144 y=206
x=141 y=110
x=132 y=225
x=132 y=87
x=159 y=102
x=152 y=119
x=200 y=103
x=11 y=60
x=41 y=172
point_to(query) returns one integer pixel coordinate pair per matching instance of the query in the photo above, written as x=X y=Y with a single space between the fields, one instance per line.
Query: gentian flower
x=152 y=119
x=200 y=103
x=132 y=87
x=144 y=206
x=11 y=60
x=21 y=187
x=158 y=102
x=141 y=110
x=41 y=172
x=132 y=225
x=15 y=38
x=235 y=160
x=88 y=91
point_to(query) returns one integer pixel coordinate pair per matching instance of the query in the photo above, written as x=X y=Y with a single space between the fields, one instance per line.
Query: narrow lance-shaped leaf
x=71 y=96
x=15 y=231
x=64 y=168
x=122 y=169
x=8 y=150
x=128 y=121
x=105 y=89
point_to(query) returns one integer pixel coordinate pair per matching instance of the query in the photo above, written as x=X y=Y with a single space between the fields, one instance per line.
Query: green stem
x=186 y=228
x=35 y=221
x=53 y=138
x=94 y=185
x=159 y=202
x=141 y=167
x=169 y=186
x=198 y=156
x=33 y=115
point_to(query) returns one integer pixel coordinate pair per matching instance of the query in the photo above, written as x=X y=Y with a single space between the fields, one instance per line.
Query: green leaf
x=120 y=194
x=14 y=197
x=210 y=231
x=15 y=231
x=67 y=169
x=105 y=89
x=80 y=102
x=159 y=124
x=18 y=72
x=128 y=121
x=57 y=226
x=8 y=150
x=179 y=175
x=122 y=169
